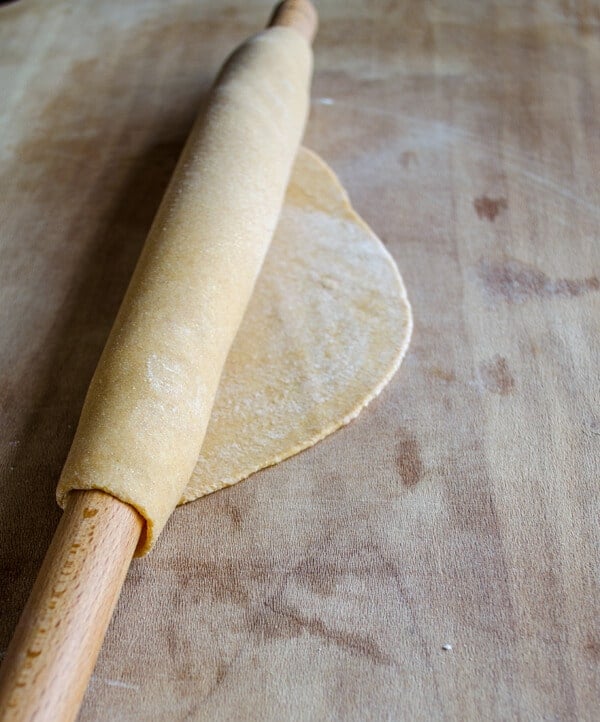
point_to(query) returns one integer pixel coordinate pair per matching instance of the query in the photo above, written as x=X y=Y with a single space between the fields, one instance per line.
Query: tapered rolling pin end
x=298 y=14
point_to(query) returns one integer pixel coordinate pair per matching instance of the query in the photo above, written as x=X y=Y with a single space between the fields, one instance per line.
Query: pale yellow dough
x=149 y=402
x=324 y=332
x=327 y=326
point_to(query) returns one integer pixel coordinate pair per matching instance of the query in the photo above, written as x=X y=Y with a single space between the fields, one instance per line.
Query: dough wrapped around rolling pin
x=149 y=402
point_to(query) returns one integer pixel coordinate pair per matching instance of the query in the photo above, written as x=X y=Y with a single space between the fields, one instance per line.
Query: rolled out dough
x=149 y=402
x=324 y=332
x=326 y=328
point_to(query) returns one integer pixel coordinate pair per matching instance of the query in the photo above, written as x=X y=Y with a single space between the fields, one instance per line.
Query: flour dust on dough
x=149 y=402
x=326 y=328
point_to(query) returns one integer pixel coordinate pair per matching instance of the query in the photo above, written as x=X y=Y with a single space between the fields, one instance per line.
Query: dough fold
x=149 y=402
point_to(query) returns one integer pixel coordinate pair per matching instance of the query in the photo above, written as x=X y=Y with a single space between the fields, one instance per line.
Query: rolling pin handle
x=298 y=14
x=53 y=651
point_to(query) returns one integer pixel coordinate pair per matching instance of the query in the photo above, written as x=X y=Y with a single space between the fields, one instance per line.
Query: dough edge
x=347 y=208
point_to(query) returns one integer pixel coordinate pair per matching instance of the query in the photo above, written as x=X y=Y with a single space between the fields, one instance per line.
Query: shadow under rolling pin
x=51 y=657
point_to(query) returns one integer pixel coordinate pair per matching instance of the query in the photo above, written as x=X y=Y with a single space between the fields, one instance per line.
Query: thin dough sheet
x=328 y=325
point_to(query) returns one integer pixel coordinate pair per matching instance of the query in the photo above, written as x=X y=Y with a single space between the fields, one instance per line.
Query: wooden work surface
x=461 y=508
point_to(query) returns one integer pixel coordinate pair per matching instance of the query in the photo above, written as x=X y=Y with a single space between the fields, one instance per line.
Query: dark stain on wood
x=321 y=578
x=439 y=373
x=220 y=673
x=585 y=17
x=489 y=208
x=180 y=651
x=496 y=377
x=516 y=282
x=316 y=571
x=234 y=513
x=278 y=620
x=408 y=459
x=592 y=647
x=408 y=158
x=236 y=516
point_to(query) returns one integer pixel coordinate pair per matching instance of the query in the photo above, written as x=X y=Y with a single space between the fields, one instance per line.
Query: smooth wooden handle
x=298 y=14
x=54 y=649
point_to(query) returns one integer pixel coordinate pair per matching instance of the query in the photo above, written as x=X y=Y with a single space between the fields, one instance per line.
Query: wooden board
x=462 y=507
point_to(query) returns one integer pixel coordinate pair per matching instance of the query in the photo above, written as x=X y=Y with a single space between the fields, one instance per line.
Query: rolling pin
x=148 y=405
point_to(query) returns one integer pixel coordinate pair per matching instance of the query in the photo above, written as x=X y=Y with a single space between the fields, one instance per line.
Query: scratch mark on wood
x=115 y=683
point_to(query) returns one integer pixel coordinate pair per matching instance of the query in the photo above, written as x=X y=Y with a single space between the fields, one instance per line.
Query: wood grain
x=460 y=508
x=46 y=670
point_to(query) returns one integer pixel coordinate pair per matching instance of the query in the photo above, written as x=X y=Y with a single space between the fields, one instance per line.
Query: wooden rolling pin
x=57 y=640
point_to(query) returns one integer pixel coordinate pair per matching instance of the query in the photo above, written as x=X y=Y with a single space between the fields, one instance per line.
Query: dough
x=327 y=326
x=325 y=331
x=149 y=402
